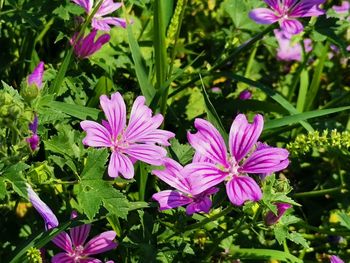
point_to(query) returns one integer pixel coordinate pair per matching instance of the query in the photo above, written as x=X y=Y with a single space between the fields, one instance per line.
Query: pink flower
x=245 y=95
x=286 y=13
x=216 y=165
x=34 y=139
x=99 y=21
x=288 y=51
x=188 y=189
x=75 y=247
x=344 y=8
x=335 y=259
x=85 y=46
x=36 y=77
x=271 y=218
x=128 y=143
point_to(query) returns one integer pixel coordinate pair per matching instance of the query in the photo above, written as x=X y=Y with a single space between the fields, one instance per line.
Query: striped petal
x=243 y=188
x=96 y=134
x=243 y=136
x=101 y=243
x=208 y=142
x=263 y=16
x=169 y=199
x=120 y=164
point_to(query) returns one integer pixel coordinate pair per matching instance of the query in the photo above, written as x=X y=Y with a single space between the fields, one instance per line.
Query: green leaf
x=292 y=119
x=260 y=254
x=297 y=238
x=274 y=95
x=344 y=220
x=238 y=11
x=93 y=191
x=14 y=176
x=281 y=233
x=212 y=115
x=61 y=12
x=77 y=111
x=183 y=153
x=3 y=192
x=146 y=87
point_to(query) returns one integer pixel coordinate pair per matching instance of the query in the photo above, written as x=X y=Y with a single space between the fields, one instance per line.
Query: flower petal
x=271 y=218
x=90 y=260
x=169 y=199
x=243 y=136
x=243 y=188
x=101 y=243
x=143 y=127
x=36 y=77
x=208 y=142
x=86 y=4
x=291 y=26
x=120 y=163
x=201 y=205
x=274 y=4
x=263 y=16
x=96 y=134
x=63 y=241
x=335 y=259
x=115 y=111
x=62 y=257
x=107 y=7
x=306 y=8
x=172 y=175
x=45 y=212
x=266 y=160
x=102 y=23
x=202 y=176
x=79 y=234
x=148 y=153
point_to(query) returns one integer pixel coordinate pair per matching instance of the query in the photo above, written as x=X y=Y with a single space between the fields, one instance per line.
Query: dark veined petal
x=62 y=257
x=107 y=7
x=291 y=26
x=243 y=136
x=86 y=4
x=208 y=142
x=266 y=160
x=148 y=153
x=101 y=243
x=96 y=134
x=169 y=199
x=243 y=188
x=115 y=111
x=306 y=8
x=79 y=234
x=263 y=16
x=202 y=176
x=172 y=175
x=103 y=23
x=63 y=241
x=200 y=205
x=120 y=163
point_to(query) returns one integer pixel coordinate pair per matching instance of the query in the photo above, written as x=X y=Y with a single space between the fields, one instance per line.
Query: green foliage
x=93 y=191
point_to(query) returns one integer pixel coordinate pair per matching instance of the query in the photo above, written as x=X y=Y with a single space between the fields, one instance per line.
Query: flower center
x=119 y=143
x=232 y=169
x=78 y=254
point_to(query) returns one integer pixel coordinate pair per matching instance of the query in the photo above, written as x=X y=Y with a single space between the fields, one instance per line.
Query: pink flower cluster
x=212 y=164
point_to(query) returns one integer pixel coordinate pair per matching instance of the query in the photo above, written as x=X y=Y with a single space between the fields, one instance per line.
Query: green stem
x=209 y=219
x=318 y=192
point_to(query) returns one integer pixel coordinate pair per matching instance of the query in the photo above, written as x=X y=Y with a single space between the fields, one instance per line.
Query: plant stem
x=318 y=192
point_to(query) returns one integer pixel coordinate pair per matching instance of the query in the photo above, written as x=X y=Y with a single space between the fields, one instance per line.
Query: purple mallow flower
x=245 y=95
x=288 y=51
x=271 y=218
x=86 y=46
x=36 y=77
x=99 y=21
x=74 y=244
x=286 y=13
x=46 y=213
x=335 y=259
x=34 y=139
x=128 y=143
x=344 y=8
x=188 y=189
x=217 y=165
